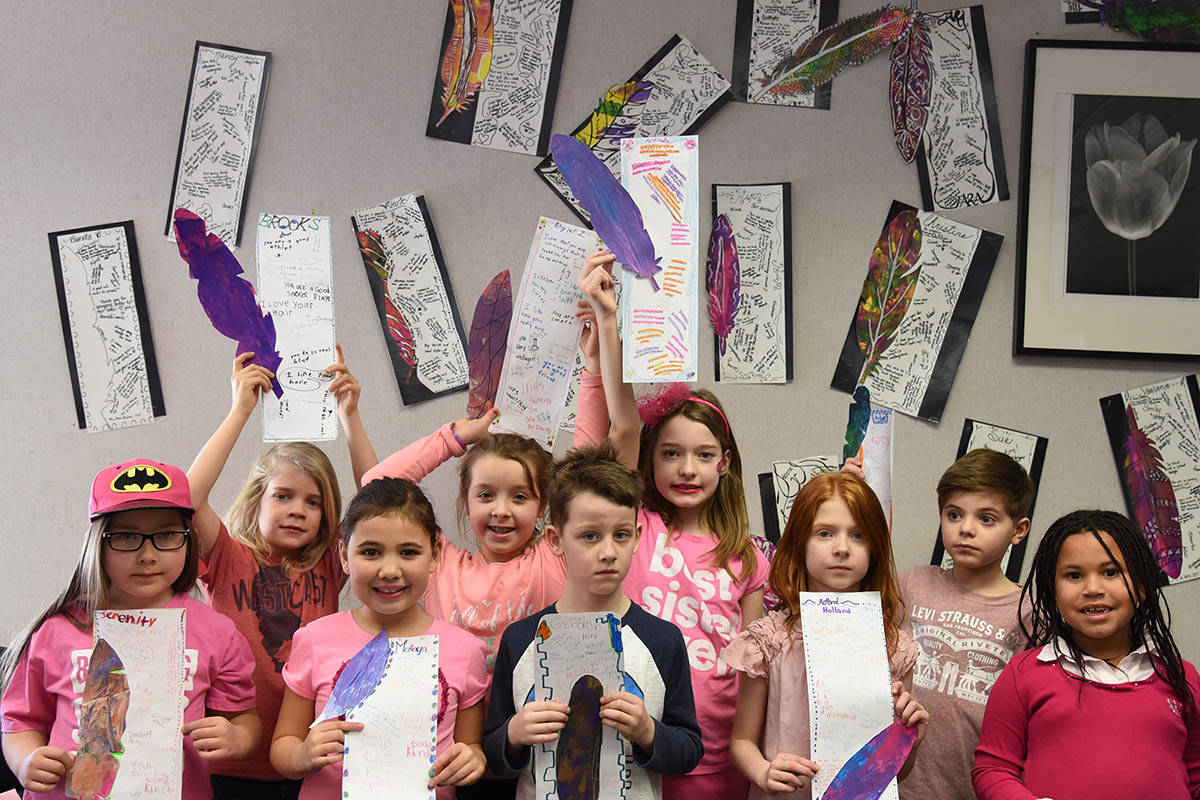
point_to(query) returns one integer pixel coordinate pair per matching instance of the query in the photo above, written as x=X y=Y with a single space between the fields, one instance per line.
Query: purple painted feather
x=1153 y=497
x=357 y=678
x=614 y=215
x=868 y=772
x=487 y=342
x=724 y=279
x=227 y=299
x=911 y=86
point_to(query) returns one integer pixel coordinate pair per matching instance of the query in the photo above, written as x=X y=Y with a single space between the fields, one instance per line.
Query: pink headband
x=653 y=407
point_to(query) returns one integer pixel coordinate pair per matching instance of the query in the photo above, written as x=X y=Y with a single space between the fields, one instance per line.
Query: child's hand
x=326 y=743
x=627 y=714
x=470 y=431
x=247 y=381
x=345 y=386
x=596 y=282
x=537 y=723
x=589 y=340
x=462 y=764
x=786 y=773
x=855 y=467
x=214 y=737
x=908 y=711
x=44 y=768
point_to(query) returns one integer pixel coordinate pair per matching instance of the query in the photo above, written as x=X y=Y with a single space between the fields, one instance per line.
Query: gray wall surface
x=92 y=97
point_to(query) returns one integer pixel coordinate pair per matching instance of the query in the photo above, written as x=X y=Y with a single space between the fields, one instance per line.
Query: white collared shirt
x=1137 y=666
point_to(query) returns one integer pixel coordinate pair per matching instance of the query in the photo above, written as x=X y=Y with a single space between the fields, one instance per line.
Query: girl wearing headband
x=696 y=565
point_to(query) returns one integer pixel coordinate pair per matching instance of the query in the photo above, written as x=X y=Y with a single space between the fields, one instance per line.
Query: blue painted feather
x=867 y=773
x=357 y=678
x=859 y=418
x=614 y=215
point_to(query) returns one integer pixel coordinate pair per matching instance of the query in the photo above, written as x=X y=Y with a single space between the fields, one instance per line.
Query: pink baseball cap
x=140 y=483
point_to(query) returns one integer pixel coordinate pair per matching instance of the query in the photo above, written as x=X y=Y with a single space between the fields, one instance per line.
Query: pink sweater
x=1085 y=741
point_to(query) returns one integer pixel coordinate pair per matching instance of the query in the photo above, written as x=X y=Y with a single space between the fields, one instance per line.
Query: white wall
x=92 y=97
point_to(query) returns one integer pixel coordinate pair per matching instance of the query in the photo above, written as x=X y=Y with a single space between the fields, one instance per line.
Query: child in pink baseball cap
x=138 y=554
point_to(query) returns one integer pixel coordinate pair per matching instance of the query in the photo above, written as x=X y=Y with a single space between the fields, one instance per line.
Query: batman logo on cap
x=152 y=479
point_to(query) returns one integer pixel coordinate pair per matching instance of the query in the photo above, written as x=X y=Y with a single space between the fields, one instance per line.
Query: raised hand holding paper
x=227 y=299
x=358 y=678
x=487 y=343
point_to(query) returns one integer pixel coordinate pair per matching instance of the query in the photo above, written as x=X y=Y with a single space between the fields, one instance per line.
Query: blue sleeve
x=677 y=747
x=501 y=708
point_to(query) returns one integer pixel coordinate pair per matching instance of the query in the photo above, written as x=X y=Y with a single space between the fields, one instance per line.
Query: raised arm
x=347 y=390
x=427 y=453
x=591 y=410
x=246 y=383
x=596 y=281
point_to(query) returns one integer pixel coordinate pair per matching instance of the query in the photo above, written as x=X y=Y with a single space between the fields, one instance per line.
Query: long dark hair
x=1151 y=621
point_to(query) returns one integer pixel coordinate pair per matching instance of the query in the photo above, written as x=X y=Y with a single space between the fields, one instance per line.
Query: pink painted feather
x=911 y=86
x=724 y=279
x=1153 y=498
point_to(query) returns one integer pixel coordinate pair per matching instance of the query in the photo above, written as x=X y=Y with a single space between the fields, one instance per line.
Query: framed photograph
x=1107 y=260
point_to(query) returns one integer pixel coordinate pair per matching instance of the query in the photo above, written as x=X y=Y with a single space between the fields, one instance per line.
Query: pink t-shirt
x=49 y=679
x=320 y=650
x=673 y=577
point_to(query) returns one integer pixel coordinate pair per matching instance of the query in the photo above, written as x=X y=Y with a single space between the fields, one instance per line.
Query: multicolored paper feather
x=467 y=58
x=1156 y=20
x=487 y=342
x=859 y=417
x=227 y=299
x=724 y=279
x=888 y=290
x=834 y=49
x=911 y=86
x=1153 y=498
x=102 y=711
x=614 y=215
x=577 y=754
x=370 y=244
x=357 y=678
x=868 y=772
x=616 y=117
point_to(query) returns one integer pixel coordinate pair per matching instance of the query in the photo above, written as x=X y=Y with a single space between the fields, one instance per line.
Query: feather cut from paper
x=888 y=290
x=370 y=244
x=577 y=755
x=614 y=215
x=724 y=279
x=911 y=86
x=487 y=342
x=1153 y=498
x=102 y=712
x=1155 y=20
x=616 y=117
x=357 y=678
x=227 y=299
x=868 y=772
x=834 y=49
x=859 y=417
x=467 y=58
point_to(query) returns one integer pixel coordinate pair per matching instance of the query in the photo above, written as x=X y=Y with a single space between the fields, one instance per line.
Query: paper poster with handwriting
x=544 y=336
x=1162 y=484
x=1028 y=450
x=662 y=176
x=960 y=161
x=778 y=488
x=413 y=297
x=759 y=348
x=1075 y=11
x=221 y=119
x=916 y=372
x=769 y=31
x=106 y=326
x=672 y=94
x=393 y=755
x=295 y=286
x=849 y=679
x=567 y=420
x=581 y=660
x=150 y=644
x=498 y=74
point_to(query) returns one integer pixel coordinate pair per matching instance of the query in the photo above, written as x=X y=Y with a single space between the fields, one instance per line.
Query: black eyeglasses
x=129 y=541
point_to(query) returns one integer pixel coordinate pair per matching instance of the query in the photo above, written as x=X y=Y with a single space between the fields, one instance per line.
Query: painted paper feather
x=887 y=291
x=1153 y=498
x=577 y=754
x=227 y=299
x=357 y=679
x=370 y=244
x=614 y=215
x=911 y=86
x=1155 y=20
x=487 y=342
x=467 y=58
x=834 y=49
x=724 y=279
x=102 y=711
x=616 y=117
x=868 y=772
x=859 y=417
